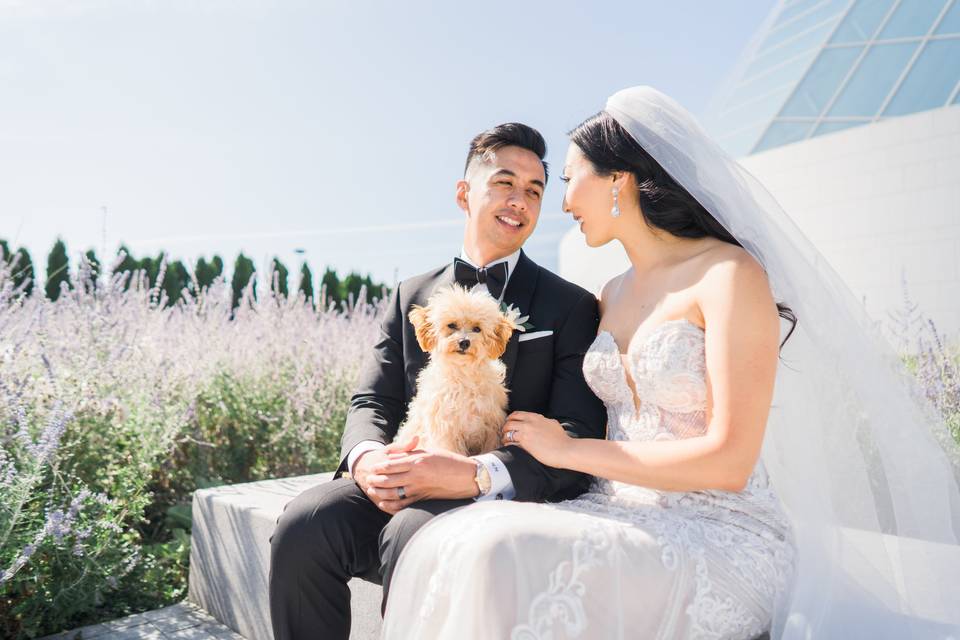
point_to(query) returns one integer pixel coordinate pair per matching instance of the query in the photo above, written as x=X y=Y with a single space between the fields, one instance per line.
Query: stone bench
x=230 y=562
x=230 y=557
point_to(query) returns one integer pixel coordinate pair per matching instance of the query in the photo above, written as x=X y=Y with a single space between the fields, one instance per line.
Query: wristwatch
x=482 y=479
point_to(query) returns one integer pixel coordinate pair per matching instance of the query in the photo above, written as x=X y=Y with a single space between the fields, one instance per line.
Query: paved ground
x=182 y=621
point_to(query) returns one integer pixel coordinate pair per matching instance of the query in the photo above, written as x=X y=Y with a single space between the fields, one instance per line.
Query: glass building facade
x=818 y=66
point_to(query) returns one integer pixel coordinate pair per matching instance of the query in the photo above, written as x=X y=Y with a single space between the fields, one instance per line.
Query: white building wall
x=877 y=200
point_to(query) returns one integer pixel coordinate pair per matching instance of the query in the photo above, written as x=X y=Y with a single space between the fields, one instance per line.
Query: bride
x=845 y=526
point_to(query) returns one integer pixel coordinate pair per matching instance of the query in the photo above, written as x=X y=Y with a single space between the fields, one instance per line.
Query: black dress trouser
x=326 y=535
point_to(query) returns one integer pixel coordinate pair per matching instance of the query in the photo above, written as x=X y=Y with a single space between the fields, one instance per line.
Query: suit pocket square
x=533 y=336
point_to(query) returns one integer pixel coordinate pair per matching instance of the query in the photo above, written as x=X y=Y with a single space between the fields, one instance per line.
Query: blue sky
x=336 y=127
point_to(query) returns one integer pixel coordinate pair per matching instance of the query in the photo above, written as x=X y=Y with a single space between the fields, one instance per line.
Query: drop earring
x=615 y=212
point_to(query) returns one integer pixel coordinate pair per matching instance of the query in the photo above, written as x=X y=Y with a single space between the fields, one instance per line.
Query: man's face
x=501 y=196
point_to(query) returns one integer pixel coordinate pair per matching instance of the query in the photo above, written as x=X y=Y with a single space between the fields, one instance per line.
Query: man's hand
x=363 y=467
x=422 y=474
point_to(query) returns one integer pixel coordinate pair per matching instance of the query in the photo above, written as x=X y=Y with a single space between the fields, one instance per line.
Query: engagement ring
x=401 y=493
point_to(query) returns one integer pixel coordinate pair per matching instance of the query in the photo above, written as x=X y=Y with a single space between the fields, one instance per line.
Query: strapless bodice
x=668 y=370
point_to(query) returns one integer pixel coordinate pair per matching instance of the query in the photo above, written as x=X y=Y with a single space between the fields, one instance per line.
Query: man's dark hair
x=504 y=135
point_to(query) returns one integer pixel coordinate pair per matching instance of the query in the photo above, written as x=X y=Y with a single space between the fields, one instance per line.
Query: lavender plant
x=936 y=366
x=120 y=406
x=934 y=363
x=61 y=544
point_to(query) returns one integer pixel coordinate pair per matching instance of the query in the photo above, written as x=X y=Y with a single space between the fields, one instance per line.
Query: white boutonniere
x=520 y=322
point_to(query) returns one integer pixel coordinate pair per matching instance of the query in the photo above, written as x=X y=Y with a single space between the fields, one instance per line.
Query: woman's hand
x=543 y=437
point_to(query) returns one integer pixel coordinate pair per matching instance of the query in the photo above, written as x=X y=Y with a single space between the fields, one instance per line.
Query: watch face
x=483 y=479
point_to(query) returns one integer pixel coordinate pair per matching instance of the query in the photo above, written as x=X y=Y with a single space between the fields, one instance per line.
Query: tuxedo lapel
x=519 y=293
x=420 y=298
x=445 y=278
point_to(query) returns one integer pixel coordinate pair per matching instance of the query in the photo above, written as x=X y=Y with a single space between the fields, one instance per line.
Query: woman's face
x=588 y=197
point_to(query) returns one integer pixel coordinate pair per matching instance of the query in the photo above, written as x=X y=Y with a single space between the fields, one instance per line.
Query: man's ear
x=463 y=187
x=426 y=338
x=501 y=336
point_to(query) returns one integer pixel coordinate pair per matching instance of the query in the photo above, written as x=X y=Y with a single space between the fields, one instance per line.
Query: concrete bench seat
x=230 y=557
x=230 y=562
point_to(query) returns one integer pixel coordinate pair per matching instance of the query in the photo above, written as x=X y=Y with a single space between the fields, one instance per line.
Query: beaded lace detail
x=731 y=552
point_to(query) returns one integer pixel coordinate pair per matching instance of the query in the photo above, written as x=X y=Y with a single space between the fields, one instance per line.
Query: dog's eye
x=452 y=325
x=476 y=329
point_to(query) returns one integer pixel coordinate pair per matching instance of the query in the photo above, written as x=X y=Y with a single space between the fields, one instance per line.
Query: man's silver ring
x=510 y=436
x=401 y=493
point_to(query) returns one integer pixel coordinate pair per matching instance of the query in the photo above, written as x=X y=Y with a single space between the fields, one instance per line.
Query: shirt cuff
x=359 y=449
x=501 y=485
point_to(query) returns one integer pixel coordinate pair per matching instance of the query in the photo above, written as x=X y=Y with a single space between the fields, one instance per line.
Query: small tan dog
x=461 y=400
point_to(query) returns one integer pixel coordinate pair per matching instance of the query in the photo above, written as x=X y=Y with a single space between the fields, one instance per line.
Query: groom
x=358 y=523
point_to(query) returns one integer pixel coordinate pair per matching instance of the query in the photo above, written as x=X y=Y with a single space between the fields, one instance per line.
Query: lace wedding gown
x=620 y=561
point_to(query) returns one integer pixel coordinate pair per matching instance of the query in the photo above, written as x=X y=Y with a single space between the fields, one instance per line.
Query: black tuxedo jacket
x=544 y=375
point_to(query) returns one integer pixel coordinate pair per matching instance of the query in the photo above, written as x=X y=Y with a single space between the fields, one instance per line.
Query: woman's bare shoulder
x=609 y=289
x=611 y=285
x=724 y=261
x=732 y=276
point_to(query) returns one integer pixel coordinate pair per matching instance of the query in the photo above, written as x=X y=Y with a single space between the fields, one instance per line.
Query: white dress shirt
x=501 y=484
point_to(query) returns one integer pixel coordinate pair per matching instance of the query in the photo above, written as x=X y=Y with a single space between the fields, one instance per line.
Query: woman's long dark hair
x=665 y=204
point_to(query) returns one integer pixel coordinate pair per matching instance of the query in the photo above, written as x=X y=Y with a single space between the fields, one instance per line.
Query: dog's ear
x=501 y=336
x=424 y=330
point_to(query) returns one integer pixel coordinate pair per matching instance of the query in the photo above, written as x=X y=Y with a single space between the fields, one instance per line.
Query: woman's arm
x=742 y=340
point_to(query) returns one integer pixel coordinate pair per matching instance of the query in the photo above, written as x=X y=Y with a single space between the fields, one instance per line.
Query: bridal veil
x=864 y=465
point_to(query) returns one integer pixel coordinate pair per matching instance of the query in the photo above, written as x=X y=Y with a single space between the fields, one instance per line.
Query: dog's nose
x=464 y=344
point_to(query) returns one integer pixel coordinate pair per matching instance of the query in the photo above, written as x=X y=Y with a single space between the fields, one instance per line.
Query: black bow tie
x=494 y=276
